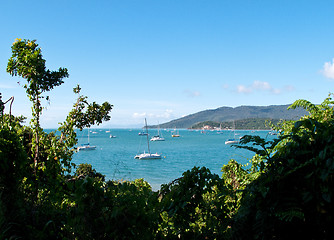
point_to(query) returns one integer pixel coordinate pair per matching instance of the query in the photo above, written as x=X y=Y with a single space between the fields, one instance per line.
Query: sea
x=114 y=157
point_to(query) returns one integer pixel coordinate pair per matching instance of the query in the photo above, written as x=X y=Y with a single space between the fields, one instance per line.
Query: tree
x=34 y=164
x=293 y=196
x=193 y=206
x=28 y=63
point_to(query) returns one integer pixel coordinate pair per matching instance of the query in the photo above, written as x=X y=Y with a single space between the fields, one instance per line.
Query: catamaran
x=149 y=155
x=86 y=146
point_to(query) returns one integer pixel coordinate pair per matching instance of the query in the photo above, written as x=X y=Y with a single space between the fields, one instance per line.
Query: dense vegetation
x=285 y=192
x=229 y=114
x=249 y=124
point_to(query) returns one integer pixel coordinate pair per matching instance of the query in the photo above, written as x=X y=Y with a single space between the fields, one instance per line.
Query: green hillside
x=250 y=123
x=229 y=114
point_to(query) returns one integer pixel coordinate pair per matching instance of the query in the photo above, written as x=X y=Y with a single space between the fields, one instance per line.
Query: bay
x=114 y=157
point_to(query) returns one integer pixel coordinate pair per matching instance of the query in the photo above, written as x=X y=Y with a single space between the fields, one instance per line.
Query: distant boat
x=149 y=155
x=111 y=136
x=220 y=130
x=157 y=137
x=142 y=134
x=175 y=133
x=86 y=146
x=233 y=140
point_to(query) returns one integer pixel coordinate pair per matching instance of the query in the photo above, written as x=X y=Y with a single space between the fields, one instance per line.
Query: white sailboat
x=233 y=140
x=111 y=136
x=158 y=137
x=86 y=146
x=149 y=155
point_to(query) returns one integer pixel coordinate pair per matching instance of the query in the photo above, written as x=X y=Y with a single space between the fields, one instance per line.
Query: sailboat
x=233 y=140
x=148 y=155
x=157 y=137
x=111 y=136
x=86 y=146
x=220 y=131
x=175 y=133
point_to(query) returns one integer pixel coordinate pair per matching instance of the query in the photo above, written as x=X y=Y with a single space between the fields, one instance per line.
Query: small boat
x=220 y=130
x=142 y=134
x=175 y=133
x=86 y=146
x=111 y=136
x=232 y=140
x=149 y=155
x=157 y=137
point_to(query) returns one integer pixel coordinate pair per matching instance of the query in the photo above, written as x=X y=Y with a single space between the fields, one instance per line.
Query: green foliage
x=249 y=123
x=250 y=115
x=27 y=62
x=85 y=114
x=293 y=196
x=12 y=170
x=260 y=146
x=35 y=190
x=2 y=105
x=86 y=170
x=285 y=192
x=193 y=206
x=112 y=210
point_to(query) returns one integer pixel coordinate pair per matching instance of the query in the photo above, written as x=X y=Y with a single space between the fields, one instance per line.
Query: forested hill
x=225 y=114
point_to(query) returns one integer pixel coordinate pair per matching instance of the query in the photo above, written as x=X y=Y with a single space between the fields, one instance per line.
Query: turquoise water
x=114 y=157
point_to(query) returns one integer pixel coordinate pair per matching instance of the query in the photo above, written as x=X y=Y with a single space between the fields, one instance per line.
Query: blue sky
x=169 y=58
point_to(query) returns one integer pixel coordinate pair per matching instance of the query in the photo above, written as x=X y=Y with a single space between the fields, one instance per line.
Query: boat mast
x=88 y=136
x=148 y=144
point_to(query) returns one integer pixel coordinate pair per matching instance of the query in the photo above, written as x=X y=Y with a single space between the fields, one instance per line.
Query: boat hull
x=148 y=156
x=157 y=139
x=86 y=148
x=231 y=142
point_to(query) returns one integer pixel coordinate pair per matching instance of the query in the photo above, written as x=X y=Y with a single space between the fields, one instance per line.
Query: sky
x=165 y=59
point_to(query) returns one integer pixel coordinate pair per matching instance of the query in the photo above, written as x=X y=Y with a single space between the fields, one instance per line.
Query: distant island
x=249 y=124
x=243 y=117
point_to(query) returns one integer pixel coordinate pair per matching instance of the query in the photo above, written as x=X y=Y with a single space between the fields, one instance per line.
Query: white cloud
x=328 y=70
x=139 y=115
x=289 y=88
x=192 y=94
x=167 y=114
x=263 y=87
x=258 y=85
x=244 y=89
